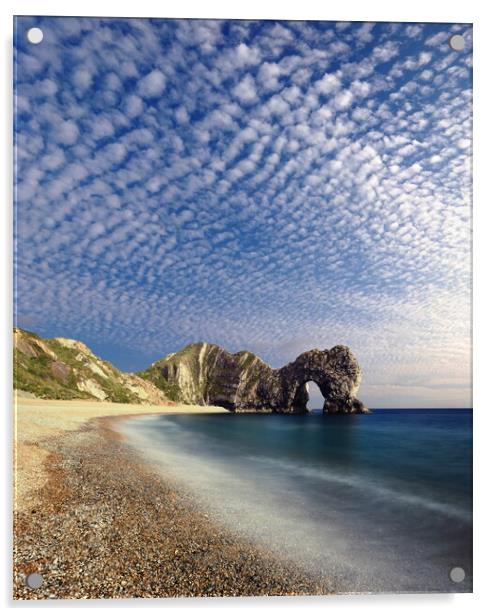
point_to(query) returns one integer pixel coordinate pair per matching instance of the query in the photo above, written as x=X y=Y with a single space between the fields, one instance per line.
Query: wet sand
x=98 y=522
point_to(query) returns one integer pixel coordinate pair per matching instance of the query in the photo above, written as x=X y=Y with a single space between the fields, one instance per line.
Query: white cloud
x=152 y=84
x=134 y=106
x=364 y=34
x=246 y=55
x=246 y=90
x=424 y=57
x=343 y=99
x=268 y=76
x=102 y=128
x=53 y=160
x=82 y=79
x=414 y=30
x=328 y=84
x=96 y=229
x=361 y=114
x=360 y=88
x=437 y=39
x=47 y=87
x=181 y=115
x=66 y=132
x=386 y=52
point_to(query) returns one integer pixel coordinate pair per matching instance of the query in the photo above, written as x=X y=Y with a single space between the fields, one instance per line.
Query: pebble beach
x=96 y=521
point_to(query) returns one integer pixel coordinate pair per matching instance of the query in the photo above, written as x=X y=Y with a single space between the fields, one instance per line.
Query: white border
x=470 y=11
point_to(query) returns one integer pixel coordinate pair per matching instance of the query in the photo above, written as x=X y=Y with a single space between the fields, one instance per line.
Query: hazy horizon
x=269 y=186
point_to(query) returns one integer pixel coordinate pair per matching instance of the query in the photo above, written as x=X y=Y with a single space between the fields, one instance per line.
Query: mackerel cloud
x=274 y=186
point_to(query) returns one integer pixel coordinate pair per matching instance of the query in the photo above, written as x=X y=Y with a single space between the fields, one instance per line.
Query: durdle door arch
x=205 y=373
x=337 y=374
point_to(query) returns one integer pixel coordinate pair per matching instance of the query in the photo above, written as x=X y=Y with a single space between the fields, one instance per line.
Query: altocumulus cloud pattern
x=275 y=186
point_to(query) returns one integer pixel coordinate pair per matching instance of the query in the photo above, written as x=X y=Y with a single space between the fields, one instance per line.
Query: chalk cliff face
x=205 y=373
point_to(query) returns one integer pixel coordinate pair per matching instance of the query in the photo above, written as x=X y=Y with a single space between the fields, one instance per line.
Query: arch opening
x=315 y=398
x=308 y=397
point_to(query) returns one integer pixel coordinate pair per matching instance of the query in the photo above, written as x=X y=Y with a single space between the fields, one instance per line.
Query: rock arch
x=204 y=373
x=335 y=371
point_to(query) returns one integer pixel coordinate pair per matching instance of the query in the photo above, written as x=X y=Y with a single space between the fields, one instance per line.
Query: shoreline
x=99 y=521
x=36 y=419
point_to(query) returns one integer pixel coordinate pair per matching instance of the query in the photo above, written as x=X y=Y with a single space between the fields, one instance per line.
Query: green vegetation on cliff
x=155 y=376
x=33 y=374
x=65 y=369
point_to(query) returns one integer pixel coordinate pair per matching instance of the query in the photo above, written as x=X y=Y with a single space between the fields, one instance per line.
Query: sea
x=377 y=503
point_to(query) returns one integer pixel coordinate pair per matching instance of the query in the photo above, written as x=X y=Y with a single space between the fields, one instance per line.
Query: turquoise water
x=377 y=503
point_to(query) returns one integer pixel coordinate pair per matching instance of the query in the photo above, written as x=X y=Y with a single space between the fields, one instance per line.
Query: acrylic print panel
x=242 y=308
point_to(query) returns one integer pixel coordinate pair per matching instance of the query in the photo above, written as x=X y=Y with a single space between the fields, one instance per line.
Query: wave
x=364 y=484
x=350 y=532
x=367 y=485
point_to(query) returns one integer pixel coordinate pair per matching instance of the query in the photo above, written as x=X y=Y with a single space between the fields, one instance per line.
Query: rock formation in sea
x=204 y=373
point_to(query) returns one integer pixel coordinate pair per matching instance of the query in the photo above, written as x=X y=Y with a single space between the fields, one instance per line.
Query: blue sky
x=271 y=186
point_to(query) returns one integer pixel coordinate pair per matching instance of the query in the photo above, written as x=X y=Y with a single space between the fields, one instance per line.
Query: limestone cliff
x=204 y=373
x=201 y=373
